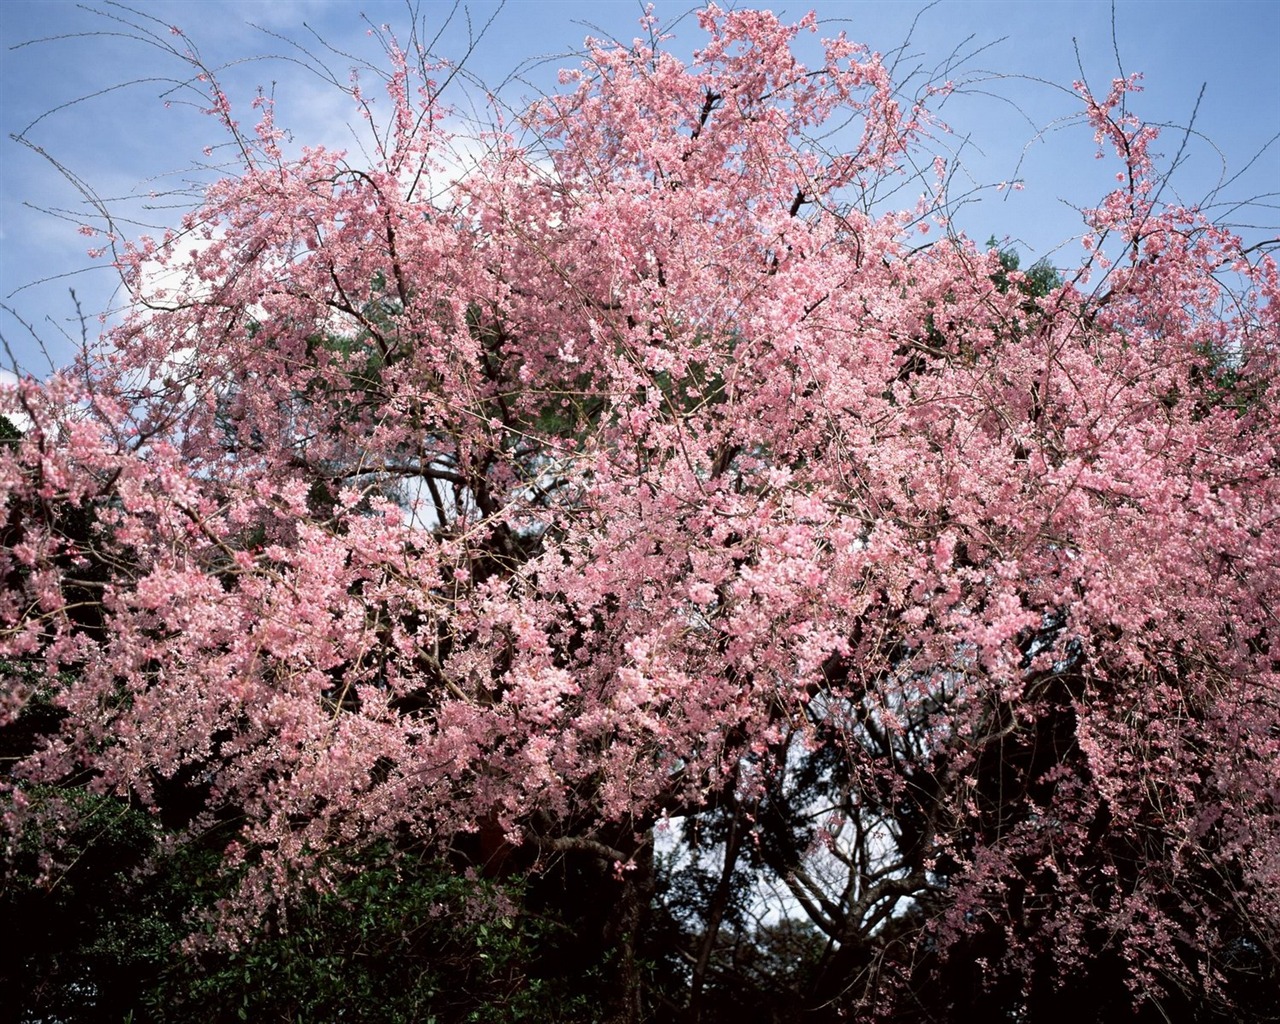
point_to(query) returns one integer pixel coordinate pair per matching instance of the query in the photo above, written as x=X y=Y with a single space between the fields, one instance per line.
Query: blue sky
x=1015 y=110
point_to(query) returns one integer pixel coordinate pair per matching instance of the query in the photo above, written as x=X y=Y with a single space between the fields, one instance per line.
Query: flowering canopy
x=581 y=494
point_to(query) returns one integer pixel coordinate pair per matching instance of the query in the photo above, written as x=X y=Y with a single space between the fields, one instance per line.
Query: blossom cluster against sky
x=80 y=86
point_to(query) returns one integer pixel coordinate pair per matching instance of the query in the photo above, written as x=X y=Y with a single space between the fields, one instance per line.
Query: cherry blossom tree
x=653 y=476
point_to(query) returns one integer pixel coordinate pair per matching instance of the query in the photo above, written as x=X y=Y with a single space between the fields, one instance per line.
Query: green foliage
x=1223 y=384
x=104 y=912
x=1036 y=283
x=9 y=434
x=696 y=388
x=72 y=890
x=395 y=943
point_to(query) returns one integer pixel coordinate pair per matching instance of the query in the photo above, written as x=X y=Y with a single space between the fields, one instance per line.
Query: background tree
x=936 y=596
